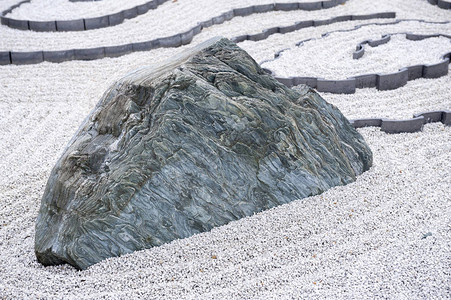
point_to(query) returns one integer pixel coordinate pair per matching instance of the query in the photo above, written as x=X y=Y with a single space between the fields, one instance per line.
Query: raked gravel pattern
x=49 y=10
x=334 y=52
x=387 y=235
x=176 y=17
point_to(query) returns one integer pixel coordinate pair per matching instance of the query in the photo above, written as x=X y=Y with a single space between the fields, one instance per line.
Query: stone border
x=78 y=24
x=382 y=82
x=405 y=126
x=360 y=48
x=441 y=3
x=118 y=18
x=20 y=58
x=310 y=23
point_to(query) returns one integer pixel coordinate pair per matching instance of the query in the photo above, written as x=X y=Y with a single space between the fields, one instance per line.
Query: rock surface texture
x=179 y=148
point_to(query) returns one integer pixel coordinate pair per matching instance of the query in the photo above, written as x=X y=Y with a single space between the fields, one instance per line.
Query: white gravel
x=333 y=53
x=49 y=10
x=175 y=17
x=360 y=241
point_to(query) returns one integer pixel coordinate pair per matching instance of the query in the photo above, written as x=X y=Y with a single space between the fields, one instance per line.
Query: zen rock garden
x=178 y=148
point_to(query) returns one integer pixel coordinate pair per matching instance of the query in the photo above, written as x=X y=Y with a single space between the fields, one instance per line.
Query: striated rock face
x=179 y=148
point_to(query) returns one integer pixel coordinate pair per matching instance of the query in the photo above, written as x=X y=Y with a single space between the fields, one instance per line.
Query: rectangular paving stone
x=95 y=23
x=5 y=58
x=24 y=58
x=400 y=126
x=18 y=24
x=116 y=18
x=89 y=54
x=59 y=56
x=116 y=51
x=393 y=80
x=42 y=26
x=72 y=25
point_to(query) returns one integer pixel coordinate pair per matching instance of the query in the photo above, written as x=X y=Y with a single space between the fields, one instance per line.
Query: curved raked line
x=389 y=81
x=360 y=49
x=404 y=126
x=19 y=58
x=441 y=3
x=79 y=24
x=118 y=18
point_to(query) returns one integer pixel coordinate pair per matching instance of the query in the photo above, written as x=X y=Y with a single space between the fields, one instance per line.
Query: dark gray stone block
x=444 y=4
x=329 y=4
x=271 y=31
x=402 y=126
x=218 y=20
x=4 y=21
x=264 y=8
x=187 y=37
x=374 y=43
x=303 y=24
x=287 y=29
x=360 y=123
x=240 y=38
x=258 y=36
x=116 y=51
x=415 y=72
x=89 y=54
x=310 y=6
x=73 y=25
x=42 y=26
x=346 y=86
x=342 y=18
x=430 y=116
x=207 y=23
x=446 y=117
x=5 y=58
x=142 y=9
x=145 y=46
x=152 y=4
x=242 y=12
x=130 y=13
x=18 y=24
x=229 y=15
x=197 y=29
x=322 y=22
x=182 y=147
x=366 y=81
x=393 y=80
x=433 y=2
x=286 y=6
x=358 y=53
x=116 y=19
x=171 y=41
x=25 y=58
x=59 y=56
x=95 y=23
x=310 y=81
x=436 y=70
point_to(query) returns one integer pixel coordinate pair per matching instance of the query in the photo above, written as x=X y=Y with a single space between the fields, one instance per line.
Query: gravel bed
x=334 y=53
x=176 y=17
x=387 y=235
x=49 y=10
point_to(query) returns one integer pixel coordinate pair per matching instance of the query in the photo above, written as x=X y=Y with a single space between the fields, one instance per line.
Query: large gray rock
x=177 y=149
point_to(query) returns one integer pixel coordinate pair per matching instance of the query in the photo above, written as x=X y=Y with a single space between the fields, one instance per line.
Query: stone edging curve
x=382 y=82
x=35 y=57
x=78 y=24
x=118 y=18
x=405 y=126
x=360 y=49
x=441 y=3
